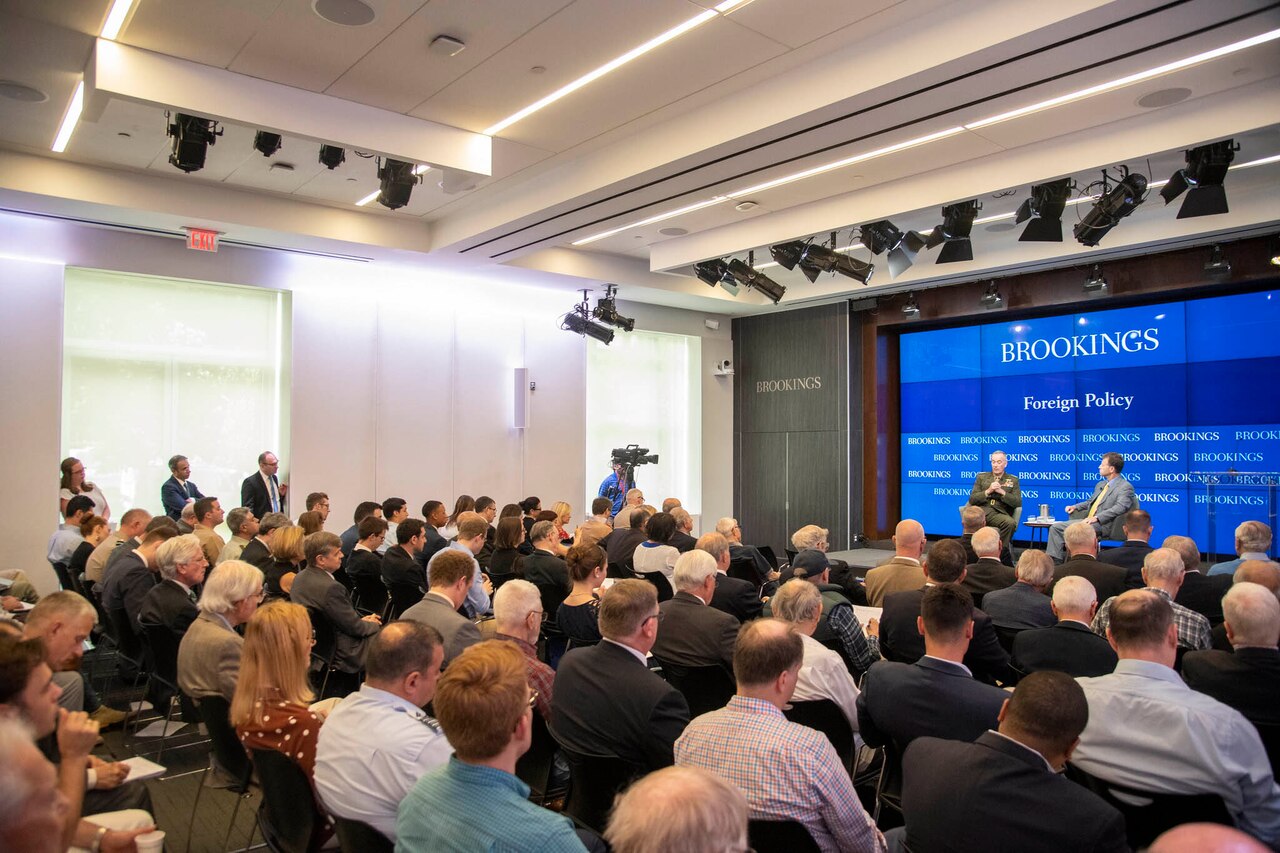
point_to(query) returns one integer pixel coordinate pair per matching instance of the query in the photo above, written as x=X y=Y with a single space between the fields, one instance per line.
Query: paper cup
x=151 y=842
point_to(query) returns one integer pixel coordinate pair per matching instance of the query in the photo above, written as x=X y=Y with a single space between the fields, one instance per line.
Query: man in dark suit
x=351 y=535
x=996 y=791
x=258 y=552
x=1136 y=547
x=1199 y=592
x=178 y=491
x=129 y=578
x=437 y=516
x=364 y=559
x=545 y=570
x=973 y=519
x=1070 y=646
x=681 y=540
x=400 y=564
x=987 y=573
x=487 y=509
x=1024 y=604
x=621 y=544
x=734 y=596
x=1082 y=544
x=607 y=702
x=261 y=491
x=999 y=496
x=1112 y=497
x=936 y=696
x=451 y=575
x=316 y=589
x=900 y=638
x=693 y=633
x=1249 y=679
x=172 y=602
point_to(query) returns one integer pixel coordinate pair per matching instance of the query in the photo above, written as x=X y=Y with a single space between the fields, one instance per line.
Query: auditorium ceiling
x=762 y=121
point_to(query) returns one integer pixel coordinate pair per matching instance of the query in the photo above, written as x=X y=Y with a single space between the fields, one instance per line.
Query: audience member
x=937 y=695
x=394 y=511
x=436 y=517
x=287 y=556
x=258 y=551
x=695 y=634
x=823 y=674
x=1262 y=572
x=787 y=771
x=365 y=559
x=74 y=484
x=838 y=623
x=739 y=598
x=994 y=793
x=517 y=610
x=178 y=491
x=1198 y=592
x=1136 y=547
x=243 y=526
x=986 y=573
x=813 y=537
x=621 y=544
x=564 y=515
x=622 y=515
x=312 y=522
x=475 y=801
x=1249 y=679
x=186 y=522
x=464 y=503
x=973 y=519
x=1070 y=646
x=351 y=535
x=471 y=538
x=131 y=544
x=377 y=742
x=1023 y=605
x=1162 y=574
x=681 y=540
x=208 y=516
x=400 y=565
x=579 y=615
x=451 y=575
x=544 y=569
x=1205 y=838
x=730 y=530
x=261 y=491
x=1082 y=544
x=316 y=589
x=905 y=571
x=607 y=700
x=597 y=526
x=172 y=602
x=130 y=578
x=1149 y=731
x=62 y=621
x=679 y=810
x=1253 y=541
x=66 y=539
x=656 y=553
x=487 y=509
x=507 y=561
x=209 y=654
x=132 y=525
x=93 y=530
x=318 y=502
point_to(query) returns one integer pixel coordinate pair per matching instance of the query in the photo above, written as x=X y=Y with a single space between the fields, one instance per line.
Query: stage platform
x=862 y=558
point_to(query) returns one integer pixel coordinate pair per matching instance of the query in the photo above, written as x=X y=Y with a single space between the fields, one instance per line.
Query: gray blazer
x=458 y=631
x=209 y=658
x=1118 y=500
x=316 y=589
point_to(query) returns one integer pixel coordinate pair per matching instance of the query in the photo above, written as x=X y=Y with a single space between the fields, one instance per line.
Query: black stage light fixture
x=397 y=182
x=266 y=143
x=716 y=272
x=332 y=156
x=192 y=137
x=746 y=275
x=991 y=299
x=1116 y=203
x=789 y=255
x=1096 y=282
x=814 y=259
x=911 y=308
x=1044 y=209
x=1204 y=173
x=579 y=322
x=606 y=310
x=882 y=237
x=1217 y=264
x=957 y=223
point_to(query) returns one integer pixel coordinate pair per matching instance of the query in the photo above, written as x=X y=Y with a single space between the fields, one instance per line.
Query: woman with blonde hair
x=73 y=483
x=564 y=514
x=288 y=554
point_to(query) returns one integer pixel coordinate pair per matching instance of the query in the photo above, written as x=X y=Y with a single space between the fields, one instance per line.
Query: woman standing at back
x=74 y=483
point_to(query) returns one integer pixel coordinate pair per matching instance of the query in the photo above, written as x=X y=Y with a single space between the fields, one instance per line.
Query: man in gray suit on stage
x=1112 y=498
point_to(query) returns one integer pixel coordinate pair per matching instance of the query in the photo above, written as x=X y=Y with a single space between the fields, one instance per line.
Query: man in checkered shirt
x=1162 y=572
x=787 y=771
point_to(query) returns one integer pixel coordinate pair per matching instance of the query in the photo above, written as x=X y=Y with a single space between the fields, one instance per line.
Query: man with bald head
x=1082 y=544
x=1151 y=732
x=905 y=571
x=132 y=524
x=1162 y=574
x=1069 y=646
x=1248 y=678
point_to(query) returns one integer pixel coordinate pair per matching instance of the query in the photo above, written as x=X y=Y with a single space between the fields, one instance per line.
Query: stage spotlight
x=397 y=181
x=957 y=223
x=332 y=156
x=579 y=322
x=606 y=311
x=746 y=275
x=911 y=308
x=192 y=137
x=789 y=254
x=266 y=143
x=991 y=299
x=1044 y=209
x=1116 y=203
x=716 y=272
x=1273 y=251
x=1096 y=282
x=882 y=237
x=1205 y=170
x=1218 y=264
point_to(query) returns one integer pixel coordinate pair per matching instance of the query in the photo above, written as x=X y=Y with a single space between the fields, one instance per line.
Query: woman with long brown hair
x=73 y=483
x=465 y=503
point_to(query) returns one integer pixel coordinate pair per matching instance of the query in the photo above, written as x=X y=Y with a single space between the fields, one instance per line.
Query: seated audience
x=451 y=575
x=695 y=634
x=839 y=624
x=632 y=501
x=507 y=560
x=208 y=516
x=475 y=801
x=678 y=810
x=682 y=540
x=1253 y=541
x=351 y=535
x=400 y=565
x=905 y=571
x=544 y=569
x=973 y=519
x=258 y=551
x=607 y=700
x=311 y=522
x=172 y=602
x=187 y=520
x=487 y=509
x=131 y=577
x=318 y=502
x=669 y=504
x=729 y=529
x=813 y=537
x=1262 y=572
x=787 y=771
x=93 y=530
x=1070 y=646
x=1136 y=547
x=1151 y=732
x=900 y=637
x=470 y=539
x=436 y=517
x=1162 y=574
x=937 y=695
x=1198 y=592
x=1202 y=837
x=209 y=654
x=1249 y=679
x=823 y=674
x=1025 y=604
x=128 y=546
x=598 y=526
x=994 y=793
x=517 y=610
x=564 y=515
x=377 y=742
x=621 y=544
x=287 y=559
x=316 y=589
x=1082 y=547
x=393 y=511
x=365 y=558
x=464 y=503
x=579 y=615
x=986 y=573
x=243 y=526
x=66 y=539
x=656 y=554
x=63 y=621
x=739 y=598
x=132 y=525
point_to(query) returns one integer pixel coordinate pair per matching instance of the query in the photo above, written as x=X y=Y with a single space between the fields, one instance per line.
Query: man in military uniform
x=999 y=495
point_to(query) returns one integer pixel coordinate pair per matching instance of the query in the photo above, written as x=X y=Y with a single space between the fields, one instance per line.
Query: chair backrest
x=163 y=643
x=594 y=780
x=1271 y=743
x=403 y=596
x=791 y=553
x=534 y=767
x=825 y=716
x=126 y=637
x=770 y=557
x=289 y=817
x=617 y=571
x=326 y=637
x=371 y=593
x=705 y=688
x=215 y=713
x=358 y=837
x=889 y=786
x=1143 y=824
x=660 y=583
x=744 y=570
x=1006 y=636
x=64 y=577
x=780 y=836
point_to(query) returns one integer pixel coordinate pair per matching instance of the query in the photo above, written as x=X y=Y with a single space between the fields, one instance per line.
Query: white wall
x=402 y=379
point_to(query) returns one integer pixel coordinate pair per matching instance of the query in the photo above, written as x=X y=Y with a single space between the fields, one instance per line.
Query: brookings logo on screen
x=1080 y=346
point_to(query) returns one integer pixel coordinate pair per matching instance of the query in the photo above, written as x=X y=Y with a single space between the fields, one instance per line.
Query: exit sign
x=202 y=239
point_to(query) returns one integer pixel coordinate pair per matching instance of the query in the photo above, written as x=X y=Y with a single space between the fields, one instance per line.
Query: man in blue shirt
x=615 y=486
x=475 y=802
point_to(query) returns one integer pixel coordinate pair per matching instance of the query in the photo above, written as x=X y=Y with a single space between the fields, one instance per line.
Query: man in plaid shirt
x=787 y=771
x=1162 y=572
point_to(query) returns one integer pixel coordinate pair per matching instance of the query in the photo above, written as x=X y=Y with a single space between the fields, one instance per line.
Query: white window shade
x=646 y=388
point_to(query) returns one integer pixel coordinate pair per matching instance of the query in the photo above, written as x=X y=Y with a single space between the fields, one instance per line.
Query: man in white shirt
x=823 y=675
x=378 y=741
x=394 y=510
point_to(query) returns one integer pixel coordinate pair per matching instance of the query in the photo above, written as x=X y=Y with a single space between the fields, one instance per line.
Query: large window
x=646 y=388
x=156 y=366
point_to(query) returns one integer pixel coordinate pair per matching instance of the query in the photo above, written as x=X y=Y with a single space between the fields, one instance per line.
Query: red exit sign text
x=202 y=240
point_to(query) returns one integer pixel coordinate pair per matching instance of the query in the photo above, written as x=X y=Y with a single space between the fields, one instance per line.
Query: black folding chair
x=780 y=836
x=288 y=817
x=660 y=583
x=358 y=837
x=825 y=716
x=889 y=787
x=64 y=577
x=1143 y=824
x=402 y=597
x=534 y=767
x=705 y=688
x=1271 y=743
x=323 y=651
x=744 y=570
x=594 y=781
x=162 y=681
x=228 y=759
x=370 y=594
x=1006 y=636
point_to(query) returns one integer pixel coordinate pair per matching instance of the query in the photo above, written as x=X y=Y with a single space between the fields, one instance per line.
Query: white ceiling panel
x=347 y=184
x=48 y=58
x=798 y=24
x=400 y=73
x=82 y=16
x=102 y=140
x=257 y=172
x=211 y=32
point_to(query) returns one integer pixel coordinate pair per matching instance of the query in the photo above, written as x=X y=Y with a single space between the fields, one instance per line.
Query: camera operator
x=616 y=485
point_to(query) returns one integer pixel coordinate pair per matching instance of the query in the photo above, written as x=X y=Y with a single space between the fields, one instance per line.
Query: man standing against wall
x=261 y=491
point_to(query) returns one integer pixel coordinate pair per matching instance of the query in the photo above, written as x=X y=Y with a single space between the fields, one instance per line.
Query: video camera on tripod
x=633 y=455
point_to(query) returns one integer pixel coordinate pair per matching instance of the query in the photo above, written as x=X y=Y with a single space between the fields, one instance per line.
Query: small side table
x=1036 y=536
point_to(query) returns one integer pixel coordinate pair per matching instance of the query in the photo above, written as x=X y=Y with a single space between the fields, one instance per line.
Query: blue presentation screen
x=1177 y=388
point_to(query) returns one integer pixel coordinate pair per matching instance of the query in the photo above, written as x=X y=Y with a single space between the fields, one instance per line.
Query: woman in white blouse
x=656 y=554
x=74 y=483
x=823 y=675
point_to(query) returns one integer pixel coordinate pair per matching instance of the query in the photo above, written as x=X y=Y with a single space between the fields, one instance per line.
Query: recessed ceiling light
x=347 y=13
x=538 y=69
x=673 y=232
x=744 y=206
x=15 y=91
x=1164 y=98
x=446 y=46
x=281 y=167
x=124 y=134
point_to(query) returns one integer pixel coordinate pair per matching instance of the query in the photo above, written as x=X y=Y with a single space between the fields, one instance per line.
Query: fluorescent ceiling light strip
x=370 y=197
x=1275 y=158
x=115 y=19
x=70 y=120
x=671 y=214
x=421 y=169
x=612 y=65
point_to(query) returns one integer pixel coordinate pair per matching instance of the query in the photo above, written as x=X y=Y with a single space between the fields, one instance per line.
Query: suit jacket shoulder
x=168 y=604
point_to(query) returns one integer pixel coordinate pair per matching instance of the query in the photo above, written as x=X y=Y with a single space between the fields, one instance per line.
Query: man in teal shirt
x=475 y=802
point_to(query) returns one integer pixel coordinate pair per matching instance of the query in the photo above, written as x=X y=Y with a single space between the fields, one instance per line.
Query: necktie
x=191 y=594
x=275 y=497
x=1093 y=507
x=187 y=488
